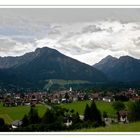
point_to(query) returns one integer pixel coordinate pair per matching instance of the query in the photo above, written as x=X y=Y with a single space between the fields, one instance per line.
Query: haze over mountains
x=124 y=69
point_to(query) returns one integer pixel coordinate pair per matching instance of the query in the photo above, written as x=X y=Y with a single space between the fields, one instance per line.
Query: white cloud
x=10 y=47
x=111 y=38
x=86 y=42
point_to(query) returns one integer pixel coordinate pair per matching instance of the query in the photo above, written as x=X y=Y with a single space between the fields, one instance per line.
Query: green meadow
x=130 y=127
x=9 y=114
x=79 y=107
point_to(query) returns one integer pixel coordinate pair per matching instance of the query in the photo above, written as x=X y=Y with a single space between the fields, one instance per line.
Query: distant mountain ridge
x=36 y=67
x=124 y=69
x=9 y=61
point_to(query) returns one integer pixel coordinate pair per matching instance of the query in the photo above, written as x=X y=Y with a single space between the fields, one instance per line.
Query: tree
x=86 y=97
x=95 y=114
x=33 y=116
x=134 y=111
x=92 y=114
x=25 y=120
x=2 y=122
x=105 y=114
x=3 y=126
x=72 y=110
x=87 y=113
x=118 y=105
x=121 y=98
x=49 y=117
x=53 y=119
x=67 y=97
x=75 y=118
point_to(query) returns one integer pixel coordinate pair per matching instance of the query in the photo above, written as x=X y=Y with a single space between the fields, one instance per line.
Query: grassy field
x=80 y=107
x=130 y=127
x=63 y=83
x=9 y=114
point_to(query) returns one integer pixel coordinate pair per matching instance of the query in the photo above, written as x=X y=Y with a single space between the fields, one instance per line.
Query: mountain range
x=38 y=69
x=34 y=69
x=123 y=69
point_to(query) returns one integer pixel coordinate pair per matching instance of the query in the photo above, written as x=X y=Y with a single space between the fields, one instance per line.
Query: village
x=68 y=96
x=65 y=96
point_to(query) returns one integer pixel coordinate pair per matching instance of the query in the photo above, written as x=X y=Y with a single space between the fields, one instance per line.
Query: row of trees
x=56 y=118
x=51 y=121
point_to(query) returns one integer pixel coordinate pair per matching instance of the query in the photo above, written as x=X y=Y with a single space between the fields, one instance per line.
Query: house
x=81 y=117
x=27 y=103
x=122 y=116
x=75 y=99
x=34 y=101
x=107 y=99
x=63 y=100
x=16 y=124
x=95 y=96
x=136 y=98
x=55 y=101
x=68 y=123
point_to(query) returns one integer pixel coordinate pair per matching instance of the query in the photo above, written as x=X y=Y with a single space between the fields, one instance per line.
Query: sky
x=85 y=34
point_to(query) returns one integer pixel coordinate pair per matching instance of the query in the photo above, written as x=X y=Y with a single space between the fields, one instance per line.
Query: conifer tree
x=33 y=116
x=95 y=114
x=92 y=114
x=87 y=113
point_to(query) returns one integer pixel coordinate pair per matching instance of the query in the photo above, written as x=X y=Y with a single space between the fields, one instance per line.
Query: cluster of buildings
x=23 y=99
x=65 y=96
x=130 y=94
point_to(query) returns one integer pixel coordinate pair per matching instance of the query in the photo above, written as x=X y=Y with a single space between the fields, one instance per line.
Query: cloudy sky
x=87 y=34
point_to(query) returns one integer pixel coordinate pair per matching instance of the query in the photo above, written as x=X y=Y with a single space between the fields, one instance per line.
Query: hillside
x=46 y=63
x=124 y=69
